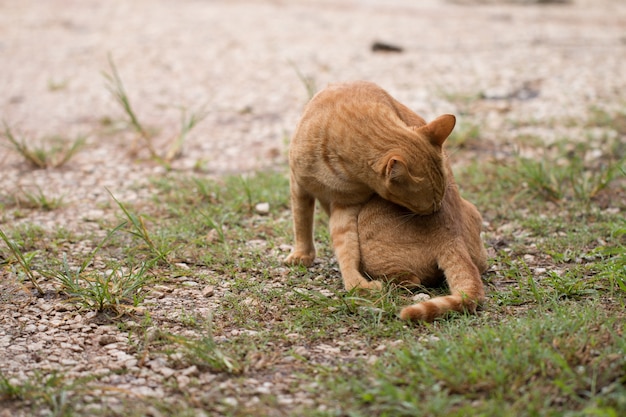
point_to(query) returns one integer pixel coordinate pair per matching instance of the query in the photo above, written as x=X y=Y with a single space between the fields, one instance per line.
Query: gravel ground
x=511 y=68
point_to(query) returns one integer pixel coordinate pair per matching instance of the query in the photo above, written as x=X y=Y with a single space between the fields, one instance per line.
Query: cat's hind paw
x=365 y=285
x=300 y=258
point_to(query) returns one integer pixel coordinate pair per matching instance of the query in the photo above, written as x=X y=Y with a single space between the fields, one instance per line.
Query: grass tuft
x=58 y=154
x=116 y=289
x=572 y=180
x=117 y=90
x=24 y=260
x=188 y=120
x=205 y=353
x=159 y=250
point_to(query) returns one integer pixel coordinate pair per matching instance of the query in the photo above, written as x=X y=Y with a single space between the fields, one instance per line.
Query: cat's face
x=415 y=176
x=418 y=186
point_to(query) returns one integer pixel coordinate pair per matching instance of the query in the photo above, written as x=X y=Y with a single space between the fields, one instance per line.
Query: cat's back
x=343 y=114
x=356 y=93
x=343 y=129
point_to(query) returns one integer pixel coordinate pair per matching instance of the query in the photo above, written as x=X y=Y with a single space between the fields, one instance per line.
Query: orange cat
x=415 y=250
x=354 y=140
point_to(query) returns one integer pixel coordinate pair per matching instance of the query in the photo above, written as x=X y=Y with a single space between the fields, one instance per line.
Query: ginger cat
x=354 y=141
x=411 y=250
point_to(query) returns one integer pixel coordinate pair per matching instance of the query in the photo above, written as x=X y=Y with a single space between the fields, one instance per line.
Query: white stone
x=262 y=208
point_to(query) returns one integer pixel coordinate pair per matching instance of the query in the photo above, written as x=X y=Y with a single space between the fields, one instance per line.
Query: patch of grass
x=23 y=259
x=210 y=222
x=117 y=289
x=547 y=342
x=51 y=392
x=556 y=180
x=39 y=200
x=58 y=153
x=206 y=354
x=566 y=360
x=158 y=248
x=613 y=259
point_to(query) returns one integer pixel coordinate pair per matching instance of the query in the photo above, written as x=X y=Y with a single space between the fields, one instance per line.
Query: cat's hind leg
x=303 y=210
x=344 y=234
x=466 y=288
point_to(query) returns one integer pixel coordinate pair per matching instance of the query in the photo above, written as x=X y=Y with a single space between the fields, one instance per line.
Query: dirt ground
x=512 y=68
x=241 y=63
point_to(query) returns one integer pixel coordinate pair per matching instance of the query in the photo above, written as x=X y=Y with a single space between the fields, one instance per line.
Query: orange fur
x=415 y=250
x=354 y=141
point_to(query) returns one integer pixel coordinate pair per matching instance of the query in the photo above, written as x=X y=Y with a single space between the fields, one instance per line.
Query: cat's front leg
x=303 y=210
x=344 y=234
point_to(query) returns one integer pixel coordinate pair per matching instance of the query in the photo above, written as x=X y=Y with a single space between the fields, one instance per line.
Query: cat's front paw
x=300 y=258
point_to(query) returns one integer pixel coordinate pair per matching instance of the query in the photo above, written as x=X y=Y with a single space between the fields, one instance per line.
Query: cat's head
x=415 y=176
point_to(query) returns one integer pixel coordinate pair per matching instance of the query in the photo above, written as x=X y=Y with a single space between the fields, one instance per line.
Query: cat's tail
x=463 y=278
x=437 y=307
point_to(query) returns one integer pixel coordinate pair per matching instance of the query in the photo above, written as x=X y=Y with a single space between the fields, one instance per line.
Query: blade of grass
x=23 y=262
x=116 y=88
x=72 y=150
x=186 y=125
x=308 y=82
x=140 y=231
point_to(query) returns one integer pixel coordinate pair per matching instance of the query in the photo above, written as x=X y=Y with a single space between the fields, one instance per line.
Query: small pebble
x=262 y=208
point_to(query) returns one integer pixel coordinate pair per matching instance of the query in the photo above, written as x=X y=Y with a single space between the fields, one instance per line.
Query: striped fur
x=354 y=141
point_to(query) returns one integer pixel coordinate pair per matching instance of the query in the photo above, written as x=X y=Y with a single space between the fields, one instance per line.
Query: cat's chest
x=339 y=192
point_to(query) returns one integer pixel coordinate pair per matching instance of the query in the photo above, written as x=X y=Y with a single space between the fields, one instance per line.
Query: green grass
x=118 y=91
x=158 y=249
x=23 y=259
x=116 y=290
x=144 y=133
x=565 y=358
x=56 y=153
x=550 y=340
x=24 y=198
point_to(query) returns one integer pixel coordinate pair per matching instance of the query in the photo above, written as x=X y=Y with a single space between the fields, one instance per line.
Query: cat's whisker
x=405 y=219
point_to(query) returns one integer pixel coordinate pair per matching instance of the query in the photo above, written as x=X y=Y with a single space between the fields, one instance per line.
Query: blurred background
x=241 y=72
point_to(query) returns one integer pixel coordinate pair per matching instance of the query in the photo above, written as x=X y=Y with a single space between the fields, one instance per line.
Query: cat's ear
x=396 y=168
x=439 y=129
